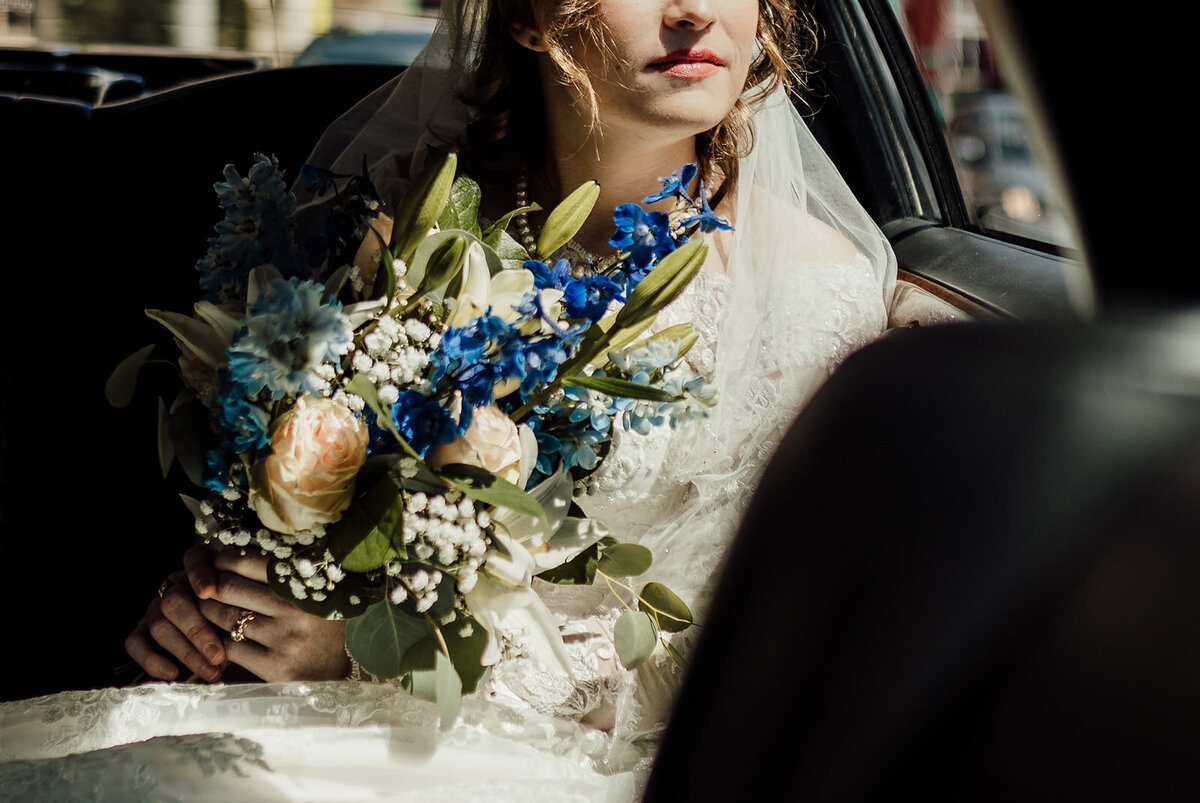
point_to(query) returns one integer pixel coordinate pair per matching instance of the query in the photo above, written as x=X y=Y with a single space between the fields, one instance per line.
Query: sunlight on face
x=676 y=67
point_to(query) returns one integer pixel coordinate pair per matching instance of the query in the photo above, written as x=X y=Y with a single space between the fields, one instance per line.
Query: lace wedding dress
x=679 y=492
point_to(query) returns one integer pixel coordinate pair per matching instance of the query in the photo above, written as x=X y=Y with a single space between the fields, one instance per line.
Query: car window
x=1005 y=187
x=325 y=31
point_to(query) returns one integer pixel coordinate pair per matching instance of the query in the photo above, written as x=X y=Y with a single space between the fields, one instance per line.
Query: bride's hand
x=173 y=624
x=281 y=642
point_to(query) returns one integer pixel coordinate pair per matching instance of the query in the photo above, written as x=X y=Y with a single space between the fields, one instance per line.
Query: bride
x=556 y=92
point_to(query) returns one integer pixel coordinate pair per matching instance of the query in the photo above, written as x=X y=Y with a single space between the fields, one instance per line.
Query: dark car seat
x=107 y=210
x=969 y=574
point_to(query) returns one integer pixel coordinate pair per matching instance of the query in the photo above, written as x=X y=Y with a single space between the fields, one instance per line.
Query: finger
x=259 y=628
x=256 y=658
x=240 y=592
x=179 y=607
x=252 y=567
x=198 y=562
x=169 y=638
x=140 y=649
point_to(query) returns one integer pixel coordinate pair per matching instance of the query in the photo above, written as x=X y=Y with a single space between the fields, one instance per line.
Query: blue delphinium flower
x=258 y=229
x=675 y=184
x=589 y=296
x=645 y=235
x=549 y=278
x=705 y=218
x=246 y=424
x=422 y=421
x=290 y=331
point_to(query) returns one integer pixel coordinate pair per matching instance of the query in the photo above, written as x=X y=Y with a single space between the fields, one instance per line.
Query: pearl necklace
x=524 y=233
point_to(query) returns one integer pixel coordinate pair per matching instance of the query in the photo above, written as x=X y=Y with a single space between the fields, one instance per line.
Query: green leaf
x=580 y=570
x=380 y=637
x=512 y=254
x=385 y=274
x=462 y=210
x=625 y=560
x=663 y=284
x=484 y=486
x=122 y=382
x=675 y=655
x=465 y=638
x=614 y=386
x=421 y=206
x=492 y=234
x=567 y=218
x=668 y=611
x=371 y=552
x=361 y=386
x=369 y=532
x=191 y=436
x=634 y=637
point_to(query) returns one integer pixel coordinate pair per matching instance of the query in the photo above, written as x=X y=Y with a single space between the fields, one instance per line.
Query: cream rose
x=317 y=448
x=492 y=442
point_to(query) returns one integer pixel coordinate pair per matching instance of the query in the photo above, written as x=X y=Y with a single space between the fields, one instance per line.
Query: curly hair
x=508 y=134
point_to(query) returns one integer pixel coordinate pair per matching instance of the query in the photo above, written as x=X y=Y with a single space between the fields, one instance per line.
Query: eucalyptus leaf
x=634 y=637
x=191 y=436
x=379 y=638
x=566 y=219
x=371 y=552
x=122 y=382
x=422 y=205
x=669 y=611
x=625 y=560
x=675 y=655
x=483 y=486
x=466 y=639
x=615 y=386
x=580 y=570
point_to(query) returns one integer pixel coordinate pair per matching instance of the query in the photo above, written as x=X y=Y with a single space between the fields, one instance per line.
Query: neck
x=625 y=164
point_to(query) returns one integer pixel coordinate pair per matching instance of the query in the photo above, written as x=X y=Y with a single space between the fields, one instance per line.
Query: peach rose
x=317 y=448
x=492 y=442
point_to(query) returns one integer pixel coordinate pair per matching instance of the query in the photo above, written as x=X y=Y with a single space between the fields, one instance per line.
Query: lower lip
x=690 y=70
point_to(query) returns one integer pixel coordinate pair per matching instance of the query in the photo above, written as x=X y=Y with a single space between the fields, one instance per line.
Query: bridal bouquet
x=397 y=411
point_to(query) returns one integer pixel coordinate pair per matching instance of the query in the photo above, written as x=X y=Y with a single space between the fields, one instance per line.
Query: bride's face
x=674 y=65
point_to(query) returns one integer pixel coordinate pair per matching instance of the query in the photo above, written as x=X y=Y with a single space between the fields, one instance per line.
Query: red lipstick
x=688 y=63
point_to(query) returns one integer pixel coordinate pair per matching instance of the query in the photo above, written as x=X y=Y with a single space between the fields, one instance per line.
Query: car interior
x=1024 y=464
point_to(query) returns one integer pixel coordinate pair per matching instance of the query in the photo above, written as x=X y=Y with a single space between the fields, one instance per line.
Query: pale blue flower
x=290 y=331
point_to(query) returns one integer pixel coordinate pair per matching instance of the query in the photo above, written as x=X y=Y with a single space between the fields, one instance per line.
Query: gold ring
x=164 y=586
x=239 y=630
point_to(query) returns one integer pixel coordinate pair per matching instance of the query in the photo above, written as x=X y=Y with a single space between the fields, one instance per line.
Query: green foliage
x=566 y=219
x=483 y=486
x=635 y=638
x=462 y=209
x=669 y=612
x=122 y=383
x=663 y=284
x=380 y=637
x=360 y=385
x=625 y=560
x=614 y=386
x=422 y=205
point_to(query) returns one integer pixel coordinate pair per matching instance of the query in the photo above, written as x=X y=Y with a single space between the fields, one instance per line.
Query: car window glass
x=278 y=33
x=1005 y=188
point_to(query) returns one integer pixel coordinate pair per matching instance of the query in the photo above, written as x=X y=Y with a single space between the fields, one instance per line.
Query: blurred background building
x=274 y=29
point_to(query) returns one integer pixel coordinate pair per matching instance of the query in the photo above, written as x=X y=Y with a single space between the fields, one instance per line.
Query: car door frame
x=872 y=112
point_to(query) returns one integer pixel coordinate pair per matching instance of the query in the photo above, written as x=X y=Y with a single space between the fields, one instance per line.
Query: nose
x=693 y=14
